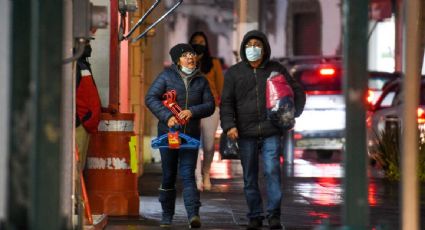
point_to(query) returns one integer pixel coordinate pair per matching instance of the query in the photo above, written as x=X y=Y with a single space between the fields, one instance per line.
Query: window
x=387 y=101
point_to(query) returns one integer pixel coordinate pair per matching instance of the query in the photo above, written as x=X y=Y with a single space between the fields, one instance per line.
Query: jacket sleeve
x=227 y=107
x=207 y=107
x=88 y=105
x=153 y=99
x=299 y=94
x=95 y=108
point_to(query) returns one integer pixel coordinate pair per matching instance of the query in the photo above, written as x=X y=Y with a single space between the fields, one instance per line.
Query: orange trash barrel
x=111 y=185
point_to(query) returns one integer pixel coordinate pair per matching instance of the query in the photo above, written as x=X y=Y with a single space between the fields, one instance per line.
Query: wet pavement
x=312 y=197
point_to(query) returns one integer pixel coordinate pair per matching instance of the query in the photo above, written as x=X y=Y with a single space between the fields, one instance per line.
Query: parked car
x=376 y=82
x=387 y=110
x=321 y=126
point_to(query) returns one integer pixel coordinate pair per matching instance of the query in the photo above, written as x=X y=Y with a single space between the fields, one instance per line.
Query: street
x=312 y=197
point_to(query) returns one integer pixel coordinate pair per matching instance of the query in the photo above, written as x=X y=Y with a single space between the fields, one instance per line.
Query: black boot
x=274 y=222
x=195 y=222
x=167 y=197
x=191 y=202
x=255 y=223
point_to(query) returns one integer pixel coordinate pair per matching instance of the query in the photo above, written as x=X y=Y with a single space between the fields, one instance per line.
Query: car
x=321 y=126
x=376 y=82
x=386 y=112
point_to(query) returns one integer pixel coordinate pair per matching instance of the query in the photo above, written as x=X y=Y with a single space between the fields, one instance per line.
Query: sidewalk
x=312 y=195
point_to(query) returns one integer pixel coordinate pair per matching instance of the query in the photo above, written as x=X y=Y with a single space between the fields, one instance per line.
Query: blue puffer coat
x=197 y=98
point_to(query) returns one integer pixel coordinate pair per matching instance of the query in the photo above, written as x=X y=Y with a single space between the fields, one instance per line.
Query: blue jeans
x=185 y=160
x=270 y=149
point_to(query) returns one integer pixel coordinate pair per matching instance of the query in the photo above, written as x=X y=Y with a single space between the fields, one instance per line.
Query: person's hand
x=233 y=133
x=172 y=122
x=185 y=114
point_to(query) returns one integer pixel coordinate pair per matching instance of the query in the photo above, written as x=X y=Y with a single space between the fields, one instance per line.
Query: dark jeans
x=185 y=161
x=270 y=149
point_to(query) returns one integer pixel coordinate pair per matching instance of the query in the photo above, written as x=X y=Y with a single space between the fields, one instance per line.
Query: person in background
x=224 y=66
x=210 y=67
x=88 y=105
x=195 y=98
x=87 y=117
x=243 y=118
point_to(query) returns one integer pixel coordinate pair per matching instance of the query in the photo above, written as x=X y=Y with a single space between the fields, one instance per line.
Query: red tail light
x=421 y=116
x=298 y=136
x=323 y=92
x=370 y=96
x=328 y=71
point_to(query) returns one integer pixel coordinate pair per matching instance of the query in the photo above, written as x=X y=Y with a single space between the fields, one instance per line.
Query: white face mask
x=253 y=53
x=187 y=70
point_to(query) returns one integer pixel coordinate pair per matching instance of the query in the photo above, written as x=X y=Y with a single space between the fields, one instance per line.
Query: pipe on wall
x=114 y=57
x=4 y=102
x=68 y=121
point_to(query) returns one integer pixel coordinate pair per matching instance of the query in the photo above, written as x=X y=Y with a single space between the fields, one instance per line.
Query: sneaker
x=166 y=221
x=274 y=222
x=165 y=225
x=195 y=222
x=255 y=223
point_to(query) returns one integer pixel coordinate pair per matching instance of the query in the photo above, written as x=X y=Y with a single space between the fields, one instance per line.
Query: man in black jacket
x=243 y=117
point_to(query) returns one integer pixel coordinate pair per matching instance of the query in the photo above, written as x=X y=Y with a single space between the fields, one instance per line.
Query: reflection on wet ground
x=312 y=195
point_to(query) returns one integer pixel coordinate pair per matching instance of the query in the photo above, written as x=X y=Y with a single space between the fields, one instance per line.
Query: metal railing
x=143 y=18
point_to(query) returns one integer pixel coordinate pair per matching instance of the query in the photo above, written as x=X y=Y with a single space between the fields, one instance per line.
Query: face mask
x=199 y=49
x=187 y=70
x=253 y=53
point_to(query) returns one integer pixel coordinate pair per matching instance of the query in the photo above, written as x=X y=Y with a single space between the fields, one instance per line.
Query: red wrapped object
x=280 y=101
x=276 y=89
x=171 y=104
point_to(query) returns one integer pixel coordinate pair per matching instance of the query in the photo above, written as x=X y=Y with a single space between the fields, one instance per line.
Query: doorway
x=304 y=23
x=306 y=34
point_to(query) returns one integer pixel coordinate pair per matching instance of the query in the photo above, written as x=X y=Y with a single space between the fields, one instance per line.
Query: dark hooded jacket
x=243 y=101
x=197 y=98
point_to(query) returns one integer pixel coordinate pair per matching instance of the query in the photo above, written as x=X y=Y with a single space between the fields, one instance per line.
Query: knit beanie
x=179 y=49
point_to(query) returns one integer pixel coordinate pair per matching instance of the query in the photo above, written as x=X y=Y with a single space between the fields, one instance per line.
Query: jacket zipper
x=258 y=103
x=187 y=96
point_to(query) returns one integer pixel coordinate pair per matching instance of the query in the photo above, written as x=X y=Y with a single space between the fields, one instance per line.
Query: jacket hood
x=259 y=35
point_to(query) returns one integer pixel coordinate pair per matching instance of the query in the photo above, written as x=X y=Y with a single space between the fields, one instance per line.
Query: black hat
x=179 y=49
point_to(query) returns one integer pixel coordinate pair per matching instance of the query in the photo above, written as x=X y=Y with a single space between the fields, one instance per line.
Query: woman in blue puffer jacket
x=196 y=101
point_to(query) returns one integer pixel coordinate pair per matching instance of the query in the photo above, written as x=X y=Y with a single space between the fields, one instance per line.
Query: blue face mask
x=187 y=70
x=253 y=53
